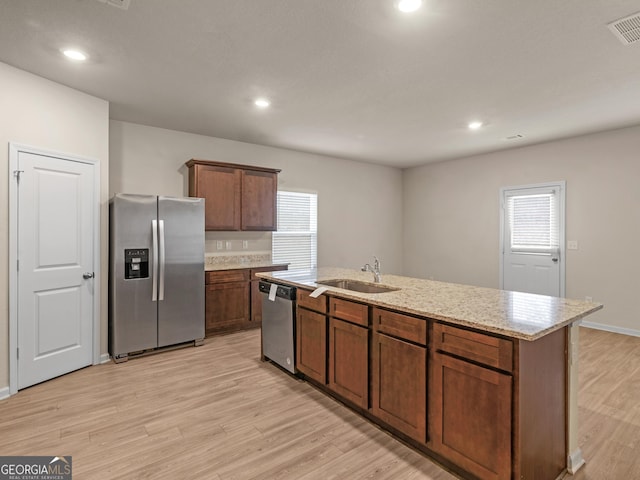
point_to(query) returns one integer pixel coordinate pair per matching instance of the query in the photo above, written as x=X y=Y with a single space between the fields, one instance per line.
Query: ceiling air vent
x=627 y=29
x=123 y=4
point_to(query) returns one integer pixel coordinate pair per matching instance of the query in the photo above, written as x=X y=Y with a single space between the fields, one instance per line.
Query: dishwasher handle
x=283 y=291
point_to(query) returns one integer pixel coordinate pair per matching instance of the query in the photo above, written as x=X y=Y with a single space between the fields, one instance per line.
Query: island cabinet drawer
x=353 y=312
x=224 y=276
x=318 y=304
x=485 y=349
x=399 y=325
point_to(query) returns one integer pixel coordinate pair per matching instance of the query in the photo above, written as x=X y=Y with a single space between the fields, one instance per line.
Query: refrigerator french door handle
x=162 y=263
x=154 y=260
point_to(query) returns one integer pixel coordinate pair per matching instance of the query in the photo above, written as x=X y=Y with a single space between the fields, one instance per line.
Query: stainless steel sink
x=357 y=286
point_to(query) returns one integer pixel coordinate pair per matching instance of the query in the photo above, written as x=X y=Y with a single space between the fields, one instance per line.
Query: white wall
x=359 y=204
x=452 y=217
x=44 y=114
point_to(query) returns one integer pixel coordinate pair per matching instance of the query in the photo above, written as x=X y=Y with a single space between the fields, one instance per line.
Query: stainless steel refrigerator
x=156 y=273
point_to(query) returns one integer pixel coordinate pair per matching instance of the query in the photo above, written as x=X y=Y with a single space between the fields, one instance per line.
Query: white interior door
x=55 y=253
x=532 y=250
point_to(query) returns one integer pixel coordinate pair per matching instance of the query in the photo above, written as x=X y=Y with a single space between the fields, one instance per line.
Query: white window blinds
x=533 y=222
x=295 y=241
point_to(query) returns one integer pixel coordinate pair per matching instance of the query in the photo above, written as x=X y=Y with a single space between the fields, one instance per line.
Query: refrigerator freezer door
x=181 y=239
x=132 y=311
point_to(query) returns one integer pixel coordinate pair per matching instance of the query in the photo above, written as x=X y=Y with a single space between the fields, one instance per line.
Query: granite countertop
x=235 y=266
x=238 y=261
x=519 y=315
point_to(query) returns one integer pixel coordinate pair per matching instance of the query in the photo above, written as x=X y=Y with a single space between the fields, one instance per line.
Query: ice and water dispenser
x=136 y=263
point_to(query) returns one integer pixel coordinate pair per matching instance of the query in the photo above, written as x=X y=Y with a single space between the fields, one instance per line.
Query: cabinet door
x=399 y=385
x=348 y=360
x=226 y=307
x=220 y=187
x=259 y=191
x=311 y=344
x=470 y=416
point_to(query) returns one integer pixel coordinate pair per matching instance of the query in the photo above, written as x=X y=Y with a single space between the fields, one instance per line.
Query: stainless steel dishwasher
x=278 y=324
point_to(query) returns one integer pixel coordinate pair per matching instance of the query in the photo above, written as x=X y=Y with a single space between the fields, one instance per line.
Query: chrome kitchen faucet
x=375 y=269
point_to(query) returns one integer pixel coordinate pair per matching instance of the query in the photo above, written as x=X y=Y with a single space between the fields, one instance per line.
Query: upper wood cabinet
x=237 y=197
x=259 y=190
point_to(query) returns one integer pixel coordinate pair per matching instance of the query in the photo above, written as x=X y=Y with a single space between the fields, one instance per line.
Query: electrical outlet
x=219 y=245
x=245 y=244
x=228 y=245
x=588 y=299
x=572 y=244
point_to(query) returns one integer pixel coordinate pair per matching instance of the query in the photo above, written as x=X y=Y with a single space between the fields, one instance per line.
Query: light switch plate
x=245 y=244
x=572 y=244
x=219 y=245
x=228 y=245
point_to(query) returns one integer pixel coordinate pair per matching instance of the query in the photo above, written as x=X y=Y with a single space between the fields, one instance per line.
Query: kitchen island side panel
x=540 y=407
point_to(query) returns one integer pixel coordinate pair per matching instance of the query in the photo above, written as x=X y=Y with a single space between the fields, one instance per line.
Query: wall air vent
x=627 y=29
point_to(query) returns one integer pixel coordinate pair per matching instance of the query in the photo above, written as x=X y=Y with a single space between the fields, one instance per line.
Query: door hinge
x=18 y=353
x=16 y=173
x=18 y=264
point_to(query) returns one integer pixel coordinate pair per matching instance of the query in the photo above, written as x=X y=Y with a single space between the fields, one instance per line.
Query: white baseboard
x=609 y=328
x=105 y=358
x=575 y=461
x=4 y=393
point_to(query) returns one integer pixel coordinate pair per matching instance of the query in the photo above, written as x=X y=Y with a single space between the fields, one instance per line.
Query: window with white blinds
x=533 y=222
x=295 y=241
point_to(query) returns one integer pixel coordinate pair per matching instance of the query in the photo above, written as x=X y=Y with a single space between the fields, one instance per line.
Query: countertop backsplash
x=249 y=258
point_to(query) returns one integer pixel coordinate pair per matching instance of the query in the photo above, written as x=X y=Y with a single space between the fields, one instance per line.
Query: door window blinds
x=533 y=222
x=295 y=241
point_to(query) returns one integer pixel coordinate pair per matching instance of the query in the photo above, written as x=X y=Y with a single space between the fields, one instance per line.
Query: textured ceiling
x=349 y=78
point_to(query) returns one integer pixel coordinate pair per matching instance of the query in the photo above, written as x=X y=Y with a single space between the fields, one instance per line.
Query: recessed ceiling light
x=408 y=6
x=261 y=103
x=75 y=55
x=474 y=125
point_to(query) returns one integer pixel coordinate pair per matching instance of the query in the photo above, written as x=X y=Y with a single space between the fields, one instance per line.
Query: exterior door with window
x=533 y=239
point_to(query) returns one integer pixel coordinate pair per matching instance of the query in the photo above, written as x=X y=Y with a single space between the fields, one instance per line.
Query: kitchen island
x=479 y=379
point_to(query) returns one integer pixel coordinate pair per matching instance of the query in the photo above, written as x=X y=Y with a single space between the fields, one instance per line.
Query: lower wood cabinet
x=348 y=361
x=226 y=306
x=494 y=407
x=311 y=344
x=232 y=299
x=398 y=385
x=470 y=416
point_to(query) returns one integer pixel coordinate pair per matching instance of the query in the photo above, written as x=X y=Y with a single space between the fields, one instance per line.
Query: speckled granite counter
x=234 y=262
x=518 y=315
x=235 y=266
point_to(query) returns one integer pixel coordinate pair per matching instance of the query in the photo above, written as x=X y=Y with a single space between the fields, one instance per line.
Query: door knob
x=87 y=275
x=554 y=259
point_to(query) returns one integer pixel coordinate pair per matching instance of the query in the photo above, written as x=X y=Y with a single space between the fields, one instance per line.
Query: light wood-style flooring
x=609 y=406
x=217 y=412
